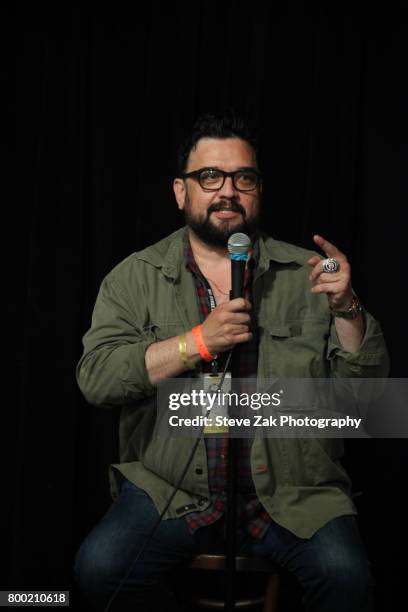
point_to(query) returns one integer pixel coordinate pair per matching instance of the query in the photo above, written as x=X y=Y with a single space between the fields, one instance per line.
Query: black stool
x=244 y=565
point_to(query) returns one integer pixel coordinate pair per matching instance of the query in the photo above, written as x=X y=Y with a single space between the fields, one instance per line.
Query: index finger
x=238 y=304
x=330 y=249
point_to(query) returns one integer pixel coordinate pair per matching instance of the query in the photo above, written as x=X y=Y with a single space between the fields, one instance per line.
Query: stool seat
x=246 y=565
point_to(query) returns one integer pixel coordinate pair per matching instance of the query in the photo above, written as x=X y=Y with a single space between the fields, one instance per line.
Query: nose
x=228 y=190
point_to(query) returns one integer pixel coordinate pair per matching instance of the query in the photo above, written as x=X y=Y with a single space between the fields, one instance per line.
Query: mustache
x=226 y=205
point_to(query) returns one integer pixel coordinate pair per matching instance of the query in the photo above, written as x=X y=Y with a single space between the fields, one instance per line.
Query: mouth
x=226 y=213
x=226 y=210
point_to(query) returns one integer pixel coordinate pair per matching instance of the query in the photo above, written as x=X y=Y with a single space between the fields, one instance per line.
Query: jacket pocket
x=164 y=330
x=298 y=348
x=281 y=330
x=319 y=328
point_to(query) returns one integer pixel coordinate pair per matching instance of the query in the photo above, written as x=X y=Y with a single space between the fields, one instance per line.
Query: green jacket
x=150 y=296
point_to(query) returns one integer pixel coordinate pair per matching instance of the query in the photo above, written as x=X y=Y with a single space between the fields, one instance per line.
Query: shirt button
x=222 y=456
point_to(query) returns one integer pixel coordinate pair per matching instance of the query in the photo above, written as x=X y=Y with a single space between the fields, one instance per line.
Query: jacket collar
x=171 y=259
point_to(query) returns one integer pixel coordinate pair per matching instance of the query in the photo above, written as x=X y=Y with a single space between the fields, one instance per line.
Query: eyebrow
x=239 y=168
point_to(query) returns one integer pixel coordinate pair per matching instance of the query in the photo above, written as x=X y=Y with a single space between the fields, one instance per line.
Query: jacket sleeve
x=112 y=369
x=369 y=361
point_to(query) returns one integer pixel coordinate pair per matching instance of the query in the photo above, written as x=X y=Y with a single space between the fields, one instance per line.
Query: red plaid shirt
x=251 y=515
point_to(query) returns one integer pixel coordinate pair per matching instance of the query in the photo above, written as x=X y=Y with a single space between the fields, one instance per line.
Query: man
x=153 y=320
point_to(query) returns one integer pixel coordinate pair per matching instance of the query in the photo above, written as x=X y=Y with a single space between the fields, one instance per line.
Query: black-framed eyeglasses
x=212 y=179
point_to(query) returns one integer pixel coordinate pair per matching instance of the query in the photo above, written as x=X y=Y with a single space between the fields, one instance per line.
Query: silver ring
x=330 y=265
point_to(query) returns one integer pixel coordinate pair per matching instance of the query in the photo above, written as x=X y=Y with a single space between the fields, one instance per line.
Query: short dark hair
x=221 y=124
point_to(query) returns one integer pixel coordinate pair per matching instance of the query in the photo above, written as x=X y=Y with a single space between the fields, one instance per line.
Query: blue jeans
x=331 y=567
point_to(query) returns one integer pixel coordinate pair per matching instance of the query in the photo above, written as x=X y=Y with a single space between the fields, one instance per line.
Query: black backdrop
x=102 y=99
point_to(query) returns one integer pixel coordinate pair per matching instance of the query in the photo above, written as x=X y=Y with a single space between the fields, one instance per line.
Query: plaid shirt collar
x=250 y=269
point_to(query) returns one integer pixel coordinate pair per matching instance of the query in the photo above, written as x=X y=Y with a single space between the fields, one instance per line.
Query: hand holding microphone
x=229 y=323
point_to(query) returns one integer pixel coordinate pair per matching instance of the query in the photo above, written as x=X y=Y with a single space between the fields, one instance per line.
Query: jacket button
x=199 y=471
x=201 y=502
x=261 y=468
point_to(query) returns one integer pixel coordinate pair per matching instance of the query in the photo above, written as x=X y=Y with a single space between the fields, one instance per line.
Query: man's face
x=215 y=215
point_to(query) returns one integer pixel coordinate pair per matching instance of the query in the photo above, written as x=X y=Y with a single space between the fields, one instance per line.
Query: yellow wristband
x=183 y=350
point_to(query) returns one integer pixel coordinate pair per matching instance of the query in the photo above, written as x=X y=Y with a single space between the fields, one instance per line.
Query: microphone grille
x=239 y=244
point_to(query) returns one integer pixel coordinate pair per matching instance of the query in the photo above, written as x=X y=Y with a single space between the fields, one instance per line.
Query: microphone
x=238 y=248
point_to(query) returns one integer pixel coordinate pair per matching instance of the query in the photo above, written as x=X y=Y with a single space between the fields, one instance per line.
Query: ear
x=179 y=189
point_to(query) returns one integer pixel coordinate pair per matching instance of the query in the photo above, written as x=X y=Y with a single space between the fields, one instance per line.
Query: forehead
x=225 y=153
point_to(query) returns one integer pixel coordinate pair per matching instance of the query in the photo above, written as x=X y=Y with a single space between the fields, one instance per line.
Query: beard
x=218 y=234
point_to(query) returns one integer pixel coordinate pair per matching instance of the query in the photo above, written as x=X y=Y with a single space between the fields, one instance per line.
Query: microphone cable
x=178 y=485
